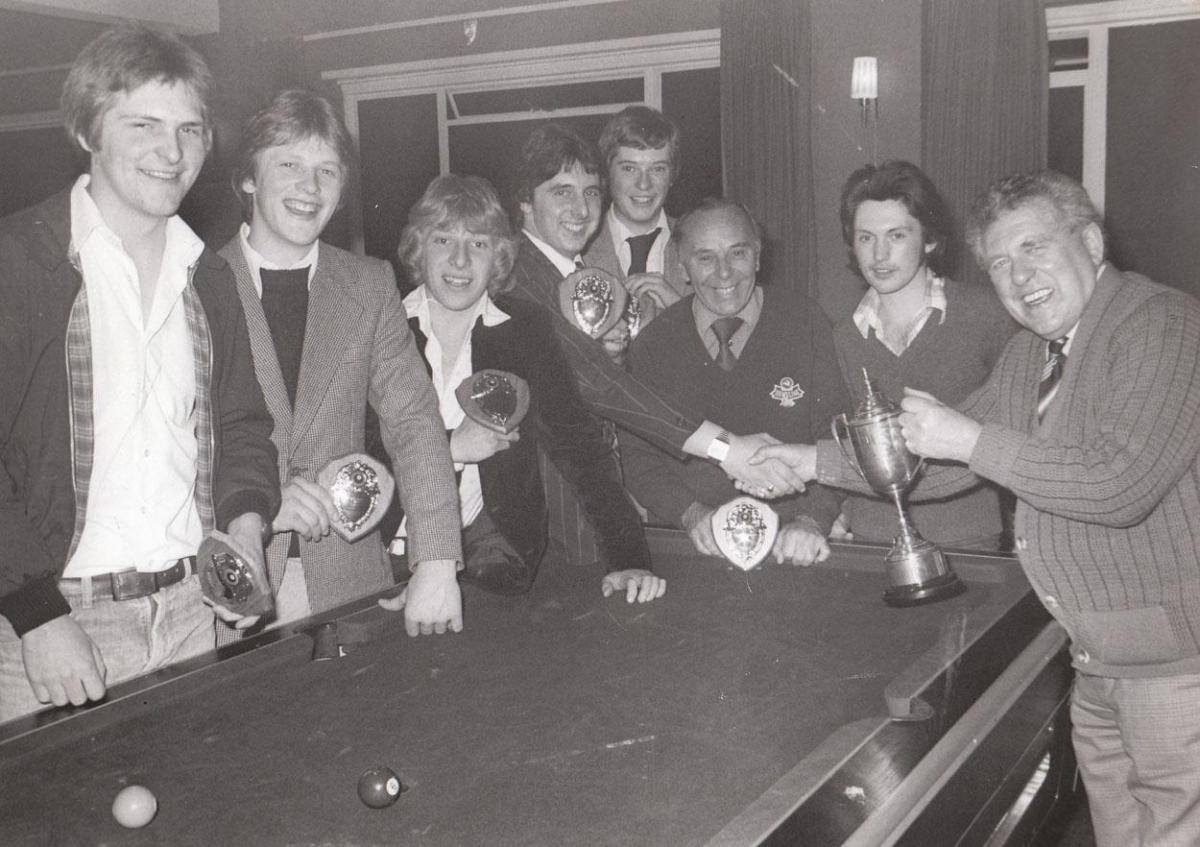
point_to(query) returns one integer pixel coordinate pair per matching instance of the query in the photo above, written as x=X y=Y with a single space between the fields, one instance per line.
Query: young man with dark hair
x=130 y=421
x=329 y=334
x=640 y=150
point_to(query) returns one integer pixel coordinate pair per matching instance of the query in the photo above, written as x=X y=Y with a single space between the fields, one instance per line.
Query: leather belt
x=131 y=584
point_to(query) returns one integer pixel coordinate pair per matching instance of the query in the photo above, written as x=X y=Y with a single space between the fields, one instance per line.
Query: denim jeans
x=134 y=637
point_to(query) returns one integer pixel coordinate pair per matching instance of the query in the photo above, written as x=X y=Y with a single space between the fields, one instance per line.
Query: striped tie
x=1052 y=373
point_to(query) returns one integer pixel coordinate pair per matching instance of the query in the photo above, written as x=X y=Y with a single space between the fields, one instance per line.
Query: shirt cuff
x=699 y=441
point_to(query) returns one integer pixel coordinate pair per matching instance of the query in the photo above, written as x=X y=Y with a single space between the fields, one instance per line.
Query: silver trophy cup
x=917 y=569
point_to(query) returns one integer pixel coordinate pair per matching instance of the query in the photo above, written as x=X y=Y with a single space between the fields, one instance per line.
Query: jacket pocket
x=1129 y=636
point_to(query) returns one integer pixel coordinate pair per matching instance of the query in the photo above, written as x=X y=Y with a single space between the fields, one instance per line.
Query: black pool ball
x=379 y=787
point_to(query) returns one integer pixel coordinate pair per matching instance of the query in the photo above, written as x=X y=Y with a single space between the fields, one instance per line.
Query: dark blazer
x=356 y=348
x=43 y=477
x=560 y=423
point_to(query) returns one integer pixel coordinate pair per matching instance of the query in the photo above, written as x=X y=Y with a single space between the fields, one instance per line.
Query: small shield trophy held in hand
x=498 y=400
x=745 y=531
x=227 y=579
x=593 y=300
x=917 y=569
x=362 y=489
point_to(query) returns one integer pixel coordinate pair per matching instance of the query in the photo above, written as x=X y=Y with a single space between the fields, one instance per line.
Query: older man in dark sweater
x=1092 y=418
x=760 y=359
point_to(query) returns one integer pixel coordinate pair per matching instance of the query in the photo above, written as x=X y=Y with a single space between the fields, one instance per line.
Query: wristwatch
x=718 y=448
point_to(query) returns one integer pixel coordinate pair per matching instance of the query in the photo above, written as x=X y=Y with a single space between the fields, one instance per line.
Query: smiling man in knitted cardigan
x=1101 y=450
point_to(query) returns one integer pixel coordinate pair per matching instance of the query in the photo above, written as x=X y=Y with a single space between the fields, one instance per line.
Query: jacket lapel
x=333 y=318
x=262 y=346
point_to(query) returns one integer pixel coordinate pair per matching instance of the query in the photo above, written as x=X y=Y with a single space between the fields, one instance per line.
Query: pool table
x=783 y=705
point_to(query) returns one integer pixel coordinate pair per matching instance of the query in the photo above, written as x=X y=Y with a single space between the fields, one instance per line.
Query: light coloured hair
x=120 y=60
x=1069 y=199
x=452 y=200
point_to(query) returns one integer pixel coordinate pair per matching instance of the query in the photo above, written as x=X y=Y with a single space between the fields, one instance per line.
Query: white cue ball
x=134 y=806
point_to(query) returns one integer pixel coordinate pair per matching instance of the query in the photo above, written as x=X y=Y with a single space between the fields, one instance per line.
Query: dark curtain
x=984 y=92
x=766 y=50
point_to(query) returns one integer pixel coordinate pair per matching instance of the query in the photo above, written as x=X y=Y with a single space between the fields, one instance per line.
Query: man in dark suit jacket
x=458 y=246
x=556 y=200
x=329 y=334
x=640 y=150
x=758 y=356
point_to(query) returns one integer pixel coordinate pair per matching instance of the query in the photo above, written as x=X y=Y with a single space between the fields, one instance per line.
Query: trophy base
x=919 y=574
x=917 y=594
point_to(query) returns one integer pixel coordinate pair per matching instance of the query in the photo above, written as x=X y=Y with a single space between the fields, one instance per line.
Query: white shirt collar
x=565 y=266
x=620 y=232
x=256 y=261
x=416 y=304
x=181 y=244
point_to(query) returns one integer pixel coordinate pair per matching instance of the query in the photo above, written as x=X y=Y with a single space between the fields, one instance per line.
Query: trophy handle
x=837 y=426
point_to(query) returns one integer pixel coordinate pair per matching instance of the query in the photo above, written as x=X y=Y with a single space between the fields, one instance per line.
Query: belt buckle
x=130 y=585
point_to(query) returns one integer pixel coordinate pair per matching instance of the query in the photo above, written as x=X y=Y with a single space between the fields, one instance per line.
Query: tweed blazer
x=357 y=348
x=602 y=254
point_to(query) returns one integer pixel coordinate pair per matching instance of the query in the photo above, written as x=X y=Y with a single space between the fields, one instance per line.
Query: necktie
x=723 y=329
x=578 y=263
x=1052 y=373
x=639 y=250
x=285 y=304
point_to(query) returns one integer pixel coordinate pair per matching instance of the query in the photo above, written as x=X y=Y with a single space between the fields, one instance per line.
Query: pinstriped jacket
x=357 y=348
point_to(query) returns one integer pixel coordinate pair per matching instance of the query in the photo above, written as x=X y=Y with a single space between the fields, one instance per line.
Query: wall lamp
x=864 y=85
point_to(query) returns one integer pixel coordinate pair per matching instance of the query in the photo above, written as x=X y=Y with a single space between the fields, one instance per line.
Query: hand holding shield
x=593 y=300
x=498 y=400
x=229 y=580
x=745 y=531
x=361 y=489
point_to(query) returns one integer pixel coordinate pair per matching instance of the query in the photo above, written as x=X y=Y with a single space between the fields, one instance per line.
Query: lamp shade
x=864 y=81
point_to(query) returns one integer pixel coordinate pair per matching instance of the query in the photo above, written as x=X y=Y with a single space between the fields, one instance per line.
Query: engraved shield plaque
x=592 y=299
x=361 y=489
x=496 y=399
x=745 y=531
x=228 y=580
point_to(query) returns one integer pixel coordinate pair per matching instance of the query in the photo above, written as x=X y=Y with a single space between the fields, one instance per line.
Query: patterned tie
x=1052 y=373
x=639 y=250
x=723 y=329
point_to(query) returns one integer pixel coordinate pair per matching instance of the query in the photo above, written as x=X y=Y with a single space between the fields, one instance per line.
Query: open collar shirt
x=142 y=509
x=866 y=316
x=416 y=304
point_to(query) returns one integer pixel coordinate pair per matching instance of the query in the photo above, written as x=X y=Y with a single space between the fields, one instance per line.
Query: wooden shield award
x=498 y=400
x=745 y=531
x=362 y=489
x=228 y=580
x=593 y=300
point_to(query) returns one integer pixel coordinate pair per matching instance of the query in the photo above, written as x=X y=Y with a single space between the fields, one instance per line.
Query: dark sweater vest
x=949 y=359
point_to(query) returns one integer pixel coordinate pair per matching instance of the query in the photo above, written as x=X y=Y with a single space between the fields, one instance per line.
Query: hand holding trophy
x=917 y=569
x=495 y=399
x=745 y=531
x=593 y=300
x=362 y=489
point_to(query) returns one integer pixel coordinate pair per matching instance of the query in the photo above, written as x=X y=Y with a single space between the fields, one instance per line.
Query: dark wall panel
x=1152 y=193
x=693 y=100
x=34 y=164
x=1064 y=147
